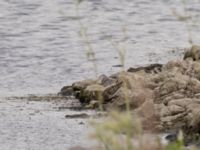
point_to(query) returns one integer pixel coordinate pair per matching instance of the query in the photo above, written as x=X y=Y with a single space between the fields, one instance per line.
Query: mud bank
x=167 y=94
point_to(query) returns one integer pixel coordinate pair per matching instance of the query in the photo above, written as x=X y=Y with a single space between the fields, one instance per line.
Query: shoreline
x=167 y=94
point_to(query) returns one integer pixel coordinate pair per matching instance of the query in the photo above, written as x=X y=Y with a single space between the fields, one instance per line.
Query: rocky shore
x=167 y=94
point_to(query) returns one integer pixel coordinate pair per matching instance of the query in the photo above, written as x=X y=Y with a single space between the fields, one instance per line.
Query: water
x=41 y=50
x=40 y=125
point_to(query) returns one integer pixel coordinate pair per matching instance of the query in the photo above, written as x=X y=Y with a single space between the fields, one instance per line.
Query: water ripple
x=41 y=48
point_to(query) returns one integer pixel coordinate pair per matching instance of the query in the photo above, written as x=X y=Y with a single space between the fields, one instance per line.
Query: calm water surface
x=41 y=50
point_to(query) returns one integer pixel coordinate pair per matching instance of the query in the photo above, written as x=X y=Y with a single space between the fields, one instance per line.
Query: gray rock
x=105 y=81
x=72 y=116
x=153 y=68
x=67 y=91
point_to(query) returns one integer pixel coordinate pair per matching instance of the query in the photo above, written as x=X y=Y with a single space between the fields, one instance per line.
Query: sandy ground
x=40 y=125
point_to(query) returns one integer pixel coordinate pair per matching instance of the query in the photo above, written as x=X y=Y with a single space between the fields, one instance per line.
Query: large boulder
x=134 y=99
x=181 y=114
x=131 y=89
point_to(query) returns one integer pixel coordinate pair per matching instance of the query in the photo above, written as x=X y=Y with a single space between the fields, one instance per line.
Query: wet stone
x=153 y=68
x=67 y=91
x=72 y=116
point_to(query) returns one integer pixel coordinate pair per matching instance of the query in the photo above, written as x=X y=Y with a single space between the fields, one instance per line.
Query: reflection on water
x=40 y=48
